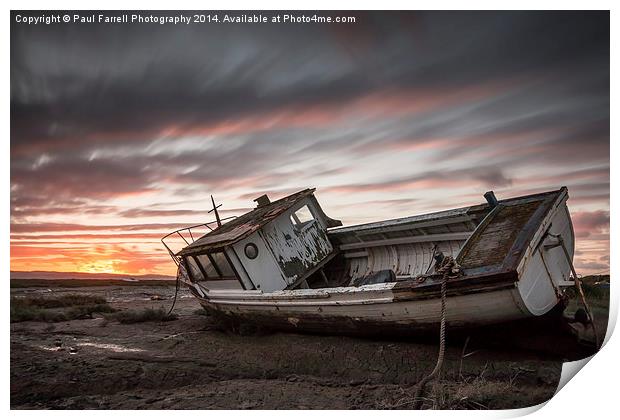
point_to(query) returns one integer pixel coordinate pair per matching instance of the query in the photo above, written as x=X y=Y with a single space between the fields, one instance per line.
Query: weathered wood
x=465 y=310
x=400 y=226
x=409 y=240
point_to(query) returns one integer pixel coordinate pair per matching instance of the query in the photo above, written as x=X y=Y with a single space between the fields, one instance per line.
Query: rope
x=421 y=278
x=176 y=291
x=578 y=283
x=447 y=267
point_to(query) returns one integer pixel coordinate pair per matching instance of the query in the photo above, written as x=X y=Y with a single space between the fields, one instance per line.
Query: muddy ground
x=189 y=363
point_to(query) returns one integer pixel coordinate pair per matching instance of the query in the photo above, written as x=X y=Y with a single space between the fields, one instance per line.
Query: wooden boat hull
x=368 y=310
x=511 y=270
x=385 y=318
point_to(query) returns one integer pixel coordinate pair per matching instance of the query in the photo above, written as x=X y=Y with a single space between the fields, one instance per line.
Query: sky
x=120 y=133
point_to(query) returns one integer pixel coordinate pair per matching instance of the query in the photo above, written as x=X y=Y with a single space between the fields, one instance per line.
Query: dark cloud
x=96 y=84
x=79 y=87
x=70 y=177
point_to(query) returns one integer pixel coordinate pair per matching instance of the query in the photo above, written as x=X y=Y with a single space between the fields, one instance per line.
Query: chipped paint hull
x=376 y=309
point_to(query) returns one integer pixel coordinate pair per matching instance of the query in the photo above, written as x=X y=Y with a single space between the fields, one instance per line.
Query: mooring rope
x=578 y=283
x=176 y=291
x=447 y=267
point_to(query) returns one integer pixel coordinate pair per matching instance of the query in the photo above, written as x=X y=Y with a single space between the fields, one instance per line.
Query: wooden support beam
x=357 y=254
x=455 y=236
x=391 y=226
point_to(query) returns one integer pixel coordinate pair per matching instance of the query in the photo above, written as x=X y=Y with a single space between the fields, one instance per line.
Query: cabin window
x=302 y=217
x=195 y=273
x=207 y=266
x=211 y=266
x=222 y=264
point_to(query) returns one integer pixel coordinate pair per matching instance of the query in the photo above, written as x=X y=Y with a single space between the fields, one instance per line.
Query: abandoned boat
x=286 y=265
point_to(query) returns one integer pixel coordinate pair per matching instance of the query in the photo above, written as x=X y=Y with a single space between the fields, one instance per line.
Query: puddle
x=117 y=348
x=47 y=348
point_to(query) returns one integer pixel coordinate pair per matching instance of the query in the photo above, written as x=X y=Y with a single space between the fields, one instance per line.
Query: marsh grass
x=144 y=315
x=472 y=393
x=592 y=292
x=201 y=311
x=57 y=308
x=60 y=301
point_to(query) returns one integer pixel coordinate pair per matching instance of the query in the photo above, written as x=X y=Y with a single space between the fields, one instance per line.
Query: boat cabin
x=276 y=246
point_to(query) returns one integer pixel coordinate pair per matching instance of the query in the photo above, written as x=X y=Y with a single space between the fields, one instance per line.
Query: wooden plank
x=441 y=215
x=417 y=225
x=469 y=309
x=357 y=254
x=495 y=240
x=409 y=240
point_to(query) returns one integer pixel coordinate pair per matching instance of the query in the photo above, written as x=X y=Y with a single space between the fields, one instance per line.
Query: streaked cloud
x=122 y=133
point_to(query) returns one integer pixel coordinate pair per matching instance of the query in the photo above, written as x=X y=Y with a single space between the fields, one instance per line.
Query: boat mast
x=217 y=215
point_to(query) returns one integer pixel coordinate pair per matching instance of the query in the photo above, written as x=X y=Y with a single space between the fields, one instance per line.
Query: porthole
x=251 y=251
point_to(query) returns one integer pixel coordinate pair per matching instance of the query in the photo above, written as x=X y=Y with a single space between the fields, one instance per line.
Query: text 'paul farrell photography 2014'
x=175 y=18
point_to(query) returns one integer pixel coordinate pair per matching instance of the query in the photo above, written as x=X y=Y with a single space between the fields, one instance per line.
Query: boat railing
x=188 y=231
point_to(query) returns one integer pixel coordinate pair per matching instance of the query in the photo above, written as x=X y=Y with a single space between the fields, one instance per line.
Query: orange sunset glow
x=115 y=144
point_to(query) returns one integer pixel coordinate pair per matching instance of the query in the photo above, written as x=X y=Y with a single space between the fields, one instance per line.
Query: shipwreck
x=287 y=265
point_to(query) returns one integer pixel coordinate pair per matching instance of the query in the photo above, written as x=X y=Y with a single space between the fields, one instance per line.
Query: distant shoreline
x=84 y=282
x=64 y=275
